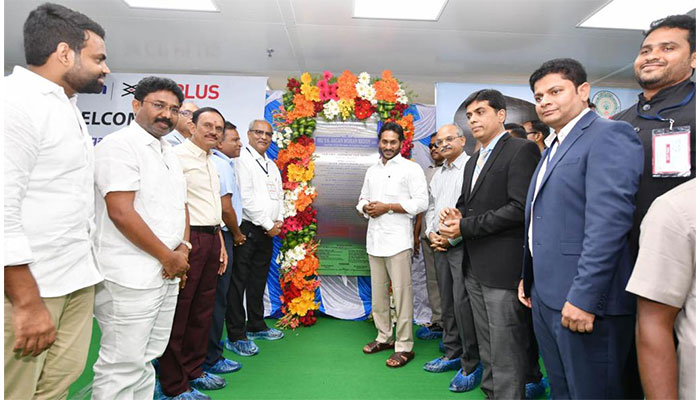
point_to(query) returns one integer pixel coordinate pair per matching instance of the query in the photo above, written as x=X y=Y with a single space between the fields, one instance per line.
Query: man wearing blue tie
x=578 y=217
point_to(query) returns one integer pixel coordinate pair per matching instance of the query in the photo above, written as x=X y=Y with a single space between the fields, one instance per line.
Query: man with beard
x=181 y=371
x=142 y=245
x=50 y=271
x=394 y=191
x=665 y=111
x=183 y=126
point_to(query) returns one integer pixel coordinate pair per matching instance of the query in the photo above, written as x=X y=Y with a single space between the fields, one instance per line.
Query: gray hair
x=457 y=128
x=252 y=123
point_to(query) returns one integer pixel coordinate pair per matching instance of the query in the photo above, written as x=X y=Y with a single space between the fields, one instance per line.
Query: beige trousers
x=394 y=270
x=50 y=374
x=432 y=282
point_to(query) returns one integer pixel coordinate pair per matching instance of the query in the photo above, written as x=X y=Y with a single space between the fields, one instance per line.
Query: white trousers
x=135 y=325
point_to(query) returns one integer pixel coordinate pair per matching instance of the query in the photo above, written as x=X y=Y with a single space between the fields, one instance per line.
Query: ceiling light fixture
x=633 y=15
x=182 y=5
x=418 y=10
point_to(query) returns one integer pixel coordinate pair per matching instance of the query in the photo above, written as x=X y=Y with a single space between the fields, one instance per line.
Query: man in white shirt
x=183 y=126
x=459 y=337
x=261 y=194
x=394 y=191
x=181 y=363
x=50 y=271
x=141 y=244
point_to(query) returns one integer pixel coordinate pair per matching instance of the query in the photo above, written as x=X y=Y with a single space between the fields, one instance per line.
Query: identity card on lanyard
x=670 y=149
x=271 y=188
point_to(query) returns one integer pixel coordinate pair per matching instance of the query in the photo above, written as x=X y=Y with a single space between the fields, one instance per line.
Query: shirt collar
x=255 y=154
x=564 y=132
x=493 y=142
x=679 y=89
x=459 y=163
x=38 y=82
x=194 y=149
x=221 y=155
x=393 y=161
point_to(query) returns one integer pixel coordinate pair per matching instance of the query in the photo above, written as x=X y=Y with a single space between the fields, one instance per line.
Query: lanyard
x=257 y=161
x=658 y=117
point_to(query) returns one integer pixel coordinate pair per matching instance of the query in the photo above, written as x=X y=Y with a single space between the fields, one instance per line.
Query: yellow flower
x=302 y=304
x=311 y=93
x=346 y=108
x=306 y=78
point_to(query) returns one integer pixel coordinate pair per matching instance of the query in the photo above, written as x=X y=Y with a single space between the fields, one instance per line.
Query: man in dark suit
x=490 y=219
x=577 y=258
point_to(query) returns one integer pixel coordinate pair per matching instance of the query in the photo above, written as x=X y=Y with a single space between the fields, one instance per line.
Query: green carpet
x=324 y=361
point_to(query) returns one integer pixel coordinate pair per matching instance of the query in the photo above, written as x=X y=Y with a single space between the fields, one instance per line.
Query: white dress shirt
x=552 y=146
x=203 y=199
x=174 y=138
x=398 y=181
x=260 y=183
x=444 y=191
x=132 y=160
x=49 y=194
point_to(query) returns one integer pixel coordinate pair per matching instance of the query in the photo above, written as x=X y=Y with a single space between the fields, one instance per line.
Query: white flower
x=401 y=96
x=363 y=78
x=331 y=109
x=366 y=92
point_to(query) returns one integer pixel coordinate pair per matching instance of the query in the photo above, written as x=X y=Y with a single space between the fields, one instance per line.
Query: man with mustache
x=663 y=68
x=49 y=203
x=183 y=126
x=260 y=184
x=181 y=371
x=394 y=191
x=141 y=244
x=459 y=337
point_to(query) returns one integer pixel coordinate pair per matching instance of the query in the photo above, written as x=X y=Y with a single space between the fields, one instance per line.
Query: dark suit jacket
x=493 y=213
x=582 y=219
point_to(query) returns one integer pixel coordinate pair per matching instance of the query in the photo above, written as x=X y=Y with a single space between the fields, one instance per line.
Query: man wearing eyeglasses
x=459 y=337
x=260 y=184
x=183 y=127
x=141 y=244
x=181 y=363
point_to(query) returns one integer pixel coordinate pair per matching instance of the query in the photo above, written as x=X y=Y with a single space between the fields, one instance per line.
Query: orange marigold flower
x=346 y=85
x=386 y=87
x=302 y=108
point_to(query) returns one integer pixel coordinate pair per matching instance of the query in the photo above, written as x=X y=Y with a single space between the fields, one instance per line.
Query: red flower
x=363 y=108
x=293 y=85
x=318 y=106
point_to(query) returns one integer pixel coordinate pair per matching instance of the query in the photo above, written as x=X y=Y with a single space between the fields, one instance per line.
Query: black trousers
x=249 y=275
x=214 y=348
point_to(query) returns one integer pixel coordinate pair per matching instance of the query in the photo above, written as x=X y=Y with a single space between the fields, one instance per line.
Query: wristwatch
x=187 y=244
x=390 y=210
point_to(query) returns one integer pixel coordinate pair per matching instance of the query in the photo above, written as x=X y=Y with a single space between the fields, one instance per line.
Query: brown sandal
x=374 y=347
x=401 y=357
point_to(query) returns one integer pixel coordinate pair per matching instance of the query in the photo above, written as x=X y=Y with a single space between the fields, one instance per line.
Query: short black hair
x=569 y=68
x=591 y=104
x=495 y=98
x=50 y=24
x=516 y=129
x=683 y=21
x=152 y=84
x=539 y=126
x=196 y=114
x=432 y=135
x=229 y=125
x=391 y=126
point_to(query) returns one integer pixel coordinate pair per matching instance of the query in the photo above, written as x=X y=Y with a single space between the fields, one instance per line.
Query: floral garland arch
x=343 y=98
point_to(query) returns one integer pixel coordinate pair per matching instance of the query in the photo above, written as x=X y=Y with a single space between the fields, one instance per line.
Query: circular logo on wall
x=606 y=103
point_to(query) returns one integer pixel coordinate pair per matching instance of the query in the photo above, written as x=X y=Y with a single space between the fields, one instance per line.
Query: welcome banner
x=240 y=99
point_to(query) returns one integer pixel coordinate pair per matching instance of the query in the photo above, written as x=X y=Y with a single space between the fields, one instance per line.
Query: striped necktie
x=479 y=165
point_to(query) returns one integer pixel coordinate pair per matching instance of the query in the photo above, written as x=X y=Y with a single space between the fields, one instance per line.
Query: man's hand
x=576 y=320
x=527 y=302
x=376 y=209
x=274 y=231
x=416 y=245
x=223 y=256
x=449 y=213
x=183 y=280
x=450 y=229
x=34 y=328
x=437 y=242
x=175 y=263
x=238 y=238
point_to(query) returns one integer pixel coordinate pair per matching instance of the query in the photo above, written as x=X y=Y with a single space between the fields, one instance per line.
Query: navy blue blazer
x=583 y=215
